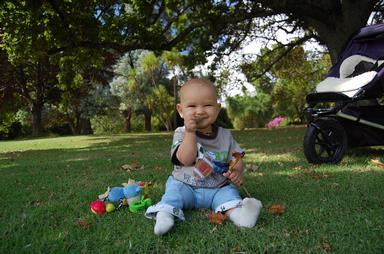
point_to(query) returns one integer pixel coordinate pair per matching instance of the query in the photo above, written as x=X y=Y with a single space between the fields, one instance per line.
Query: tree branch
x=288 y=47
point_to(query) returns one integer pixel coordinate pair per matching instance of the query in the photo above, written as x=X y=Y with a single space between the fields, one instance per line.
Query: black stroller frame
x=353 y=94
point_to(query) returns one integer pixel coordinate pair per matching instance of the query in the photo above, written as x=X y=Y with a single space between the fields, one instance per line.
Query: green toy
x=133 y=194
x=140 y=205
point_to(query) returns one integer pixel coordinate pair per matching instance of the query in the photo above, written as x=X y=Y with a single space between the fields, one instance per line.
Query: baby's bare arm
x=187 y=151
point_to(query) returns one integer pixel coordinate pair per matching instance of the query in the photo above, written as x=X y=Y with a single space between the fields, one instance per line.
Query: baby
x=201 y=153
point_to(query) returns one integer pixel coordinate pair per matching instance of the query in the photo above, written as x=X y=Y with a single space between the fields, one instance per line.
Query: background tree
x=35 y=35
x=289 y=81
x=141 y=85
x=25 y=40
x=249 y=111
x=297 y=75
x=197 y=27
x=162 y=105
x=176 y=67
x=82 y=82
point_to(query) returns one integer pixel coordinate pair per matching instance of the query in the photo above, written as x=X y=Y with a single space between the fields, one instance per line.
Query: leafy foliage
x=143 y=86
x=54 y=53
x=249 y=111
x=289 y=81
x=162 y=105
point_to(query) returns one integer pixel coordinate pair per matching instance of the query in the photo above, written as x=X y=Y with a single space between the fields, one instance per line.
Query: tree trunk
x=37 y=123
x=37 y=104
x=85 y=126
x=169 y=124
x=339 y=21
x=73 y=128
x=74 y=123
x=127 y=114
x=147 y=120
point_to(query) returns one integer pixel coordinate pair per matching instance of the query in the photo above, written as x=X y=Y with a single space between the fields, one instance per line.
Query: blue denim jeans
x=179 y=196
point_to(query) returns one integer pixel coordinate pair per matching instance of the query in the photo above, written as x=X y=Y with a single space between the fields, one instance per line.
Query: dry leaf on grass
x=305 y=170
x=308 y=171
x=378 y=163
x=217 y=218
x=133 y=166
x=237 y=249
x=83 y=224
x=129 y=182
x=318 y=177
x=277 y=209
x=326 y=247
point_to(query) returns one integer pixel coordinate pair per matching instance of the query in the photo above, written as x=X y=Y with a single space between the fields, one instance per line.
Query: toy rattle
x=133 y=194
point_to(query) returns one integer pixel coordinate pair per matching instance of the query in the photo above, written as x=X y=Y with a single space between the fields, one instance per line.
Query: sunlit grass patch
x=47 y=185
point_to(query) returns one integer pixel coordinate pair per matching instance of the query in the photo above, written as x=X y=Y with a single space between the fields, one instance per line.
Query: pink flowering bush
x=275 y=122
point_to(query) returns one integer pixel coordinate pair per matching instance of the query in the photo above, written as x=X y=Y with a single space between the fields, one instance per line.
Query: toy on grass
x=133 y=194
x=98 y=207
x=140 y=205
x=110 y=207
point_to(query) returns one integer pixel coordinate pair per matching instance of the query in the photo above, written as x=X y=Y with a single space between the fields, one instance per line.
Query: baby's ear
x=180 y=110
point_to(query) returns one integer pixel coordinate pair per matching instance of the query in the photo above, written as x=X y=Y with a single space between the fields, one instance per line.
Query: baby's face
x=199 y=102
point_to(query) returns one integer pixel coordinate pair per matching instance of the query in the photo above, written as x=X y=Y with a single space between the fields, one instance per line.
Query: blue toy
x=115 y=194
x=130 y=193
x=133 y=194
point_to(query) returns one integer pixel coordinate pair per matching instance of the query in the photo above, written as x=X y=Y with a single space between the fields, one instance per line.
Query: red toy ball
x=98 y=207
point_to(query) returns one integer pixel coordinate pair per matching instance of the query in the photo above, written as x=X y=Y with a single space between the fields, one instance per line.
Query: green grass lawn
x=47 y=185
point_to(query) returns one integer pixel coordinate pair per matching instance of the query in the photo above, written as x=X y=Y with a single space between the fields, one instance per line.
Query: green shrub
x=111 y=123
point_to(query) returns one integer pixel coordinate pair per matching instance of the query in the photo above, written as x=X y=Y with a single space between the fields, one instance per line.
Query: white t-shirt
x=214 y=151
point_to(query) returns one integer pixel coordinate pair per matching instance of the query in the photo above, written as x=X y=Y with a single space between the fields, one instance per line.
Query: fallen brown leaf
x=378 y=163
x=326 y=247
x=83 y=224
x=237 y=249
x=217 y=218
x=277 y=209
x=308 y=171
x=133 y=166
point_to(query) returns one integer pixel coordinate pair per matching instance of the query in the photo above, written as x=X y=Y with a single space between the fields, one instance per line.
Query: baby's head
x=202 y=87
x=198 y=99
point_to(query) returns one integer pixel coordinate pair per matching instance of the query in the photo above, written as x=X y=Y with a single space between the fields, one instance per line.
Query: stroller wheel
x=325 y=141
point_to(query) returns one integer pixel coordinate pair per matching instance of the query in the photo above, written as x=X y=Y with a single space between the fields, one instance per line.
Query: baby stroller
x=347 y=109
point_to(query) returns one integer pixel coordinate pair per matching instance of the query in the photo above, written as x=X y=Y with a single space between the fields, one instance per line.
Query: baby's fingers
x=229 y=174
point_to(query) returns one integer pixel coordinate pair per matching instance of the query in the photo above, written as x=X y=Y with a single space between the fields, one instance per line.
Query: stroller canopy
x=360 y=63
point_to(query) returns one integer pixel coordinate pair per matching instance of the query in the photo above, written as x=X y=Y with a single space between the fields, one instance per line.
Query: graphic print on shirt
x=209 y=162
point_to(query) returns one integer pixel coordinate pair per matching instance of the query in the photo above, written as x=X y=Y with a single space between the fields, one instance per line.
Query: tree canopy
x=195 y=26
x=55 y=52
